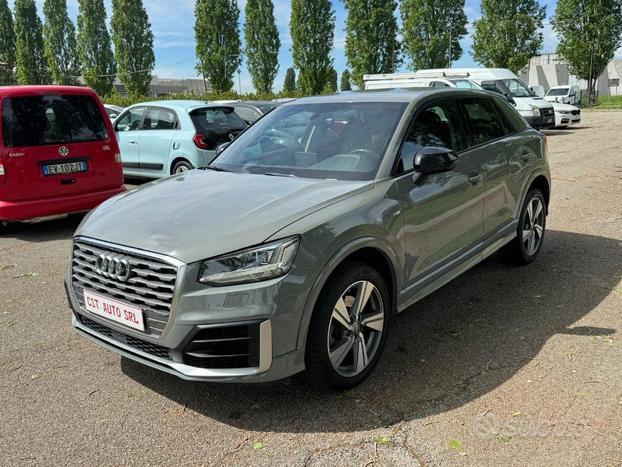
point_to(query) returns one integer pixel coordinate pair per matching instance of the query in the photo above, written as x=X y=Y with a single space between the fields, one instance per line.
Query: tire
x=355 y=345
x=181 y=167
x=530 y=231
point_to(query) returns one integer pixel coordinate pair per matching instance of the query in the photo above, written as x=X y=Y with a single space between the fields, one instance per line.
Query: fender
x=351 y=247
x=540 y=171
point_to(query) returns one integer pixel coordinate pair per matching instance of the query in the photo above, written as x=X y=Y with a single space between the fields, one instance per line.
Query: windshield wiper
x=278 y=174
x=213 y=167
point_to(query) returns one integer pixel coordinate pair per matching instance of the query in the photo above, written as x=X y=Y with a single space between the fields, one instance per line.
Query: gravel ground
x=502 y=366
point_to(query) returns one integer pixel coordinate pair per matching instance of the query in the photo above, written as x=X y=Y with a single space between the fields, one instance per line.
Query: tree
x=589 y=32
x=432 y=31
x=7 y=44
x=60 y=46
x=371 y=37
x=31 y=66
x=312 y=27
x=331 y=83
x=262 y=44
x=133 y=45
x=94 y=49
x=289 y=86
x=346 y=81
x=508 y=34
x=218 y=41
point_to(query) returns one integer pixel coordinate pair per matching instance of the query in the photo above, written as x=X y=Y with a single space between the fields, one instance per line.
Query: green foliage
x=289 y=86
x=371 y=37
x=218 y=41
x=427 y=27
x=60 y=46
x=133 y=45
x=331 y=83
x=30 y=62
x=589 y=31
x=609 y=102
x=7 y=44
x=262 y=44
x=94 y=48
x=312 y=27
x=346 y=81
x=509 y=33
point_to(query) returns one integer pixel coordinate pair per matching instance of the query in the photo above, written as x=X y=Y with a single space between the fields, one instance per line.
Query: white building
x=549 y=70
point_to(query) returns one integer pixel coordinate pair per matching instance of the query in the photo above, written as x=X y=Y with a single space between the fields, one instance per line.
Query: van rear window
x=51 y=119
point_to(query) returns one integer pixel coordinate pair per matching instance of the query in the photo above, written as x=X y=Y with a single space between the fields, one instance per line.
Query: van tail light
x=199 y=141
x=2 y=173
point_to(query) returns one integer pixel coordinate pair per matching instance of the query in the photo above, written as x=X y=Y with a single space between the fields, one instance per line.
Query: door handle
x=475 y=177
x=132 y=142
x=526 y=155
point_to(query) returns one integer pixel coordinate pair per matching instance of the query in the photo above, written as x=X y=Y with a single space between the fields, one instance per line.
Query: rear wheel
x=181 y=167
x=348 y=329
x=530 y=231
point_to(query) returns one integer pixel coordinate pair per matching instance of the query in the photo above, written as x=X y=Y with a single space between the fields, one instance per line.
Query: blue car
x=161 y=138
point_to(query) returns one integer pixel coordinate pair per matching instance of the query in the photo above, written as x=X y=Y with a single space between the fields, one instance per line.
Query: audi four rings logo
x=114 y=267
x=63 y=151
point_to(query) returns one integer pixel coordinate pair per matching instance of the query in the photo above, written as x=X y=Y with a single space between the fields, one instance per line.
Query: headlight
x=535 y=111
x=252 y=265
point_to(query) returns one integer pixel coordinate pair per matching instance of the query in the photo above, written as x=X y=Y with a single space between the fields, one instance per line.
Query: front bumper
x=264 y=309
x=541 y=122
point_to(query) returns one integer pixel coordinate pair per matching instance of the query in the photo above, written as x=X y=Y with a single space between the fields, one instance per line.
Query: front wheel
x=348 y=329
x=530 y=231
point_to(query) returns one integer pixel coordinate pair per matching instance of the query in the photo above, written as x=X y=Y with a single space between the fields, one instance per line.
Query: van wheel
x=530 y=231
x=348 y=329
x=182 y=166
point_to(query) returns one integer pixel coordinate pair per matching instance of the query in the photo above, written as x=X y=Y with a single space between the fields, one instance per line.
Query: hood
x=201 y=213
x=539 y=102
x=558 y=106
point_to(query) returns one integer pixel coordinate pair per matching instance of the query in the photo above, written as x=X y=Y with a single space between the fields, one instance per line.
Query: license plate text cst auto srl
x=114 y=310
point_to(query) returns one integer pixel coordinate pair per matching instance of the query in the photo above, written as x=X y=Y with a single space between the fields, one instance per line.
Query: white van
x=538 y=112
x=564 y=94
x=415 y=80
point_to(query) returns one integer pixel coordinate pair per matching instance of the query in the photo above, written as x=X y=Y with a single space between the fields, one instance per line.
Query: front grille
x=139 y=344
x=224 y=347
x=548 y=112
x=150 y=287
x=575 y=112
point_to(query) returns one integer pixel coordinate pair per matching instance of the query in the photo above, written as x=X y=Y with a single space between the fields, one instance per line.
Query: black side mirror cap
x=432 y=159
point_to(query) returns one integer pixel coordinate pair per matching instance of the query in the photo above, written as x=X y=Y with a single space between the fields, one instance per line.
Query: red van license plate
x=120 y=312
x=65 y=168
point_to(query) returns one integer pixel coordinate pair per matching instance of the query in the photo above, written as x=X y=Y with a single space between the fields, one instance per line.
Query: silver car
x=293 y=250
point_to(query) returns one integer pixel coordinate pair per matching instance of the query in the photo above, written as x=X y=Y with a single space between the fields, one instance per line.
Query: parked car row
x=540 y=113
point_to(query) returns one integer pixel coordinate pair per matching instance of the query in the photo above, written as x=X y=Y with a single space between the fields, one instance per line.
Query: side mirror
x=510 y=99
x=221 y=147
x=431 y=159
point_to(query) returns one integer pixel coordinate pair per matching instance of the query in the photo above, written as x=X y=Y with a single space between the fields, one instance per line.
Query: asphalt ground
x=503 y=365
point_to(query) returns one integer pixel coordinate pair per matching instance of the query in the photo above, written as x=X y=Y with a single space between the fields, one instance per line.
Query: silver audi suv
x=293 y=250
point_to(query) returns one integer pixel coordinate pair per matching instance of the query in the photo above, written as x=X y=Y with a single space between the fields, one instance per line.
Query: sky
x=172 y=24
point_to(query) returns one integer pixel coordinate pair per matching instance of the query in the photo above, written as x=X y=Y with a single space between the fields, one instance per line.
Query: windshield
x=557 y=92
x=517 y=88
x=336 y=140
x=51 y=119
x=465 y=84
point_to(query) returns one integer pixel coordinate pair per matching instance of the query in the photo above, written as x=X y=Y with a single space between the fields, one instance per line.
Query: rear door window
x=483 y=119
x=131 y=120
x=157 y=118
x=51 y=119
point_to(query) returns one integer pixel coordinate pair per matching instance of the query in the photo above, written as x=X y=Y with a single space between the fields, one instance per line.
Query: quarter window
x=132 y=120
x=438 y=125
x=160 y=119
x=485 y=123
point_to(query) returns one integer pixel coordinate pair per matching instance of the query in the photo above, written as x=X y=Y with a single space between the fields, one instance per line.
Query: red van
x=58 y=152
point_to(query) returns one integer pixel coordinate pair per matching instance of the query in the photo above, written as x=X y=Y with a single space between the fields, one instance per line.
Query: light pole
x=240 y=81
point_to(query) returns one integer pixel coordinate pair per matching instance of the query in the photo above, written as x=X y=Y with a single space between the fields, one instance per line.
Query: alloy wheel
x=355 y=328
x=181 y=169
x=533 y=226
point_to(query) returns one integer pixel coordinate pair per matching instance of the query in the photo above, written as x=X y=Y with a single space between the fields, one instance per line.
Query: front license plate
x=114 y=310
x=65 y=168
